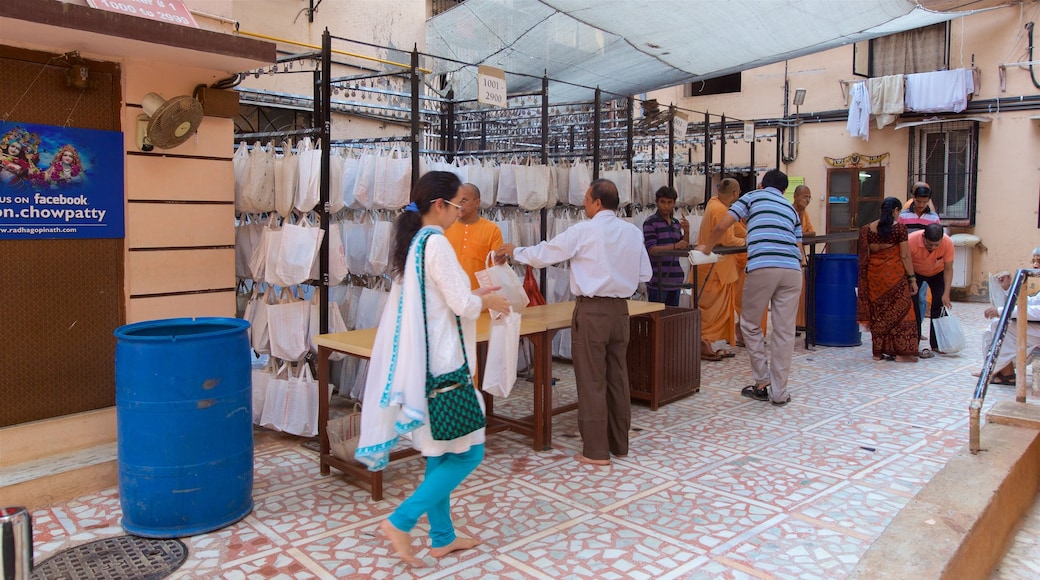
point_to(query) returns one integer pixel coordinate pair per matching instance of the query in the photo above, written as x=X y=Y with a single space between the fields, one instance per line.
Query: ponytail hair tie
x=412 y=207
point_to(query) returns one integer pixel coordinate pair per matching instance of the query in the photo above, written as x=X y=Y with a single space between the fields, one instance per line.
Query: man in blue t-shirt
x=774 y=279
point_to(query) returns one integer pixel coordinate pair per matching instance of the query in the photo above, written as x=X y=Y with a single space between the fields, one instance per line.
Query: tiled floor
x=715 y=486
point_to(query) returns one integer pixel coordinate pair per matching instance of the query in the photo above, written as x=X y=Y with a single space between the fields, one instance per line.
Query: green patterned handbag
x=451 y=398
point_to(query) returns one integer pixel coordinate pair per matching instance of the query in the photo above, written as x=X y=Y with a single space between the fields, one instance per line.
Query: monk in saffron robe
x=718 y=282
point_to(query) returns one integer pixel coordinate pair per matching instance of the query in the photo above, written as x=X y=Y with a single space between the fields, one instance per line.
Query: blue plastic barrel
x=185 y=433
x=837 y=276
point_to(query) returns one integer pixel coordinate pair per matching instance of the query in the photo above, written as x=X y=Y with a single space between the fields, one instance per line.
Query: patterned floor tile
x=596 y=487
x=796 y=549
x=299 y=514
x=765 y=414
x=676 y=455
x=766 y=482
x=904 y=474
x=737 y=434
x=693 y=516
x=859 y=509
x=872 y=432
x=598 y=548
x=917 y=413
x=832 y=456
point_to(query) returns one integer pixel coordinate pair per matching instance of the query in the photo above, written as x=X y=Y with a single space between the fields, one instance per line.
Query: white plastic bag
x=949 y=334
x=503 y=347
x=511 y=284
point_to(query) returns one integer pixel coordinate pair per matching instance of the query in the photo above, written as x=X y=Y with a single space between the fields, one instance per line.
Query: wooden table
x=538 y=324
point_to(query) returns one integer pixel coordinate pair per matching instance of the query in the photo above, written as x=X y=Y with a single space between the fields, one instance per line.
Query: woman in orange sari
x=887 y=285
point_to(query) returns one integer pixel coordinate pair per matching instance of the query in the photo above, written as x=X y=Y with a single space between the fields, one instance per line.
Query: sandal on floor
x=710 y=356
x=885 y=357
x=753 y=392
x=926 y=353
x=999 y=379
x=739 y=343
x=726 y=353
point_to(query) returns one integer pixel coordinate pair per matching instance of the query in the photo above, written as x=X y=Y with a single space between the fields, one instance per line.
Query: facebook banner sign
x=59 y=182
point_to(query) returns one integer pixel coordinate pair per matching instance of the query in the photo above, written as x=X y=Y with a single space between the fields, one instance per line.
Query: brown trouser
x=599 y=346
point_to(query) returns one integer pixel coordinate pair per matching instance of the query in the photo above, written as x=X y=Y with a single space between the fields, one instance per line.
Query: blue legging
x=443 y=474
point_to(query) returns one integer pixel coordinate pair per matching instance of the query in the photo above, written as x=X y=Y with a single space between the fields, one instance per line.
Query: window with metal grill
x=946 y=156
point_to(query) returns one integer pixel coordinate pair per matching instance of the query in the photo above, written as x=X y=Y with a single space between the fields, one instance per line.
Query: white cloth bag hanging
x=336 y=202
x=506 y=193
x=622 y=178
x=308 y=188
x=258 y=192
x=563 y=182
x=379 y=249
x=393 y=180
x=337 y=256
x=578 y=180
x=261 y=379
x=351 y=169
x=289 y=321
x=298 y=252
x=370 y=307
x=256 y=314
x=247 y=236
x=356 y=237
x=482 y=175
x=273 y=415
x=336 y=324
x=365 y=184
x=532 y=186
x=552 y=196
x=285 y=180
x=240 y=165
x=503 y=348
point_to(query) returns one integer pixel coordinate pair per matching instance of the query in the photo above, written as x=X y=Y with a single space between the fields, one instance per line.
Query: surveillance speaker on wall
x=167 y=124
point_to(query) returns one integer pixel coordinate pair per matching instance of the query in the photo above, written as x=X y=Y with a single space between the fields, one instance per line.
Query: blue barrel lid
x=170 y=329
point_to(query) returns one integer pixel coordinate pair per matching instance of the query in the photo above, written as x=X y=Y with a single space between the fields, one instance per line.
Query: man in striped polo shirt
x=774 y=277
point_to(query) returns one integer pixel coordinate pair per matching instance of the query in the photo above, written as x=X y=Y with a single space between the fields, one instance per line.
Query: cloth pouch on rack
x=393 y=180
x=301 y=404
x=578 y=180
x=351 y=170
x=370 y=307
x=336 y=202
x=506 y=193
x=273 y=415
x=298 y=252
x=256 y=314
x=483 y=176
x=337 y=255
x=379 y=250
x=308 y=177
x=532 y=186
x=259 y=189
x=261 y=378
x=285 y=181
x=336 y=324
x=365 y=184
x=247 y=236
x=289 y=321
x=355 y=244
x=240 y=166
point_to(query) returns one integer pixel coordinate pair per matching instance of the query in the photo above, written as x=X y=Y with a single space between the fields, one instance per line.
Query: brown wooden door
x=854 y=196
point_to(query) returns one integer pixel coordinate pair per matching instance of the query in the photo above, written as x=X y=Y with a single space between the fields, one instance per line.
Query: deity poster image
x=60 y=182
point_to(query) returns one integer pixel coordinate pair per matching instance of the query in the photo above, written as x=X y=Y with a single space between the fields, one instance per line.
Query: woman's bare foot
x=401 y=542
x=460 y=543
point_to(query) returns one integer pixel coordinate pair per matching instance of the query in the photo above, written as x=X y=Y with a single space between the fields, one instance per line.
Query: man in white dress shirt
x=608 y=261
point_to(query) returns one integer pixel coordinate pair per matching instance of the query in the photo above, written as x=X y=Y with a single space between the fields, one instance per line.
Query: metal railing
x=1016 y=296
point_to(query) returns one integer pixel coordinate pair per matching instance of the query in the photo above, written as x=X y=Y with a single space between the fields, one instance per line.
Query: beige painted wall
x=1009 y=147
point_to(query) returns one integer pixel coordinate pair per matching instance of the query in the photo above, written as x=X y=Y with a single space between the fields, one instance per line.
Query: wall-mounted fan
x=167 y=124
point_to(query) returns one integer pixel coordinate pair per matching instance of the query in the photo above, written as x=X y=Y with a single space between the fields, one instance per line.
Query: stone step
x=59 y=477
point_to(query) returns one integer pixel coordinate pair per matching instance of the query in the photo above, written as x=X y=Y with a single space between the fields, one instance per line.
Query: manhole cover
x=119 y=558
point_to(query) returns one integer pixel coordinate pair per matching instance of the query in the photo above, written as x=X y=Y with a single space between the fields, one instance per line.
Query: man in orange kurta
x=717 y=282
x=802 y=197
x=471 y=235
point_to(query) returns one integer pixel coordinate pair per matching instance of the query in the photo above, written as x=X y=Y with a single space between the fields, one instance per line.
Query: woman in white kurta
x=395 y=391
